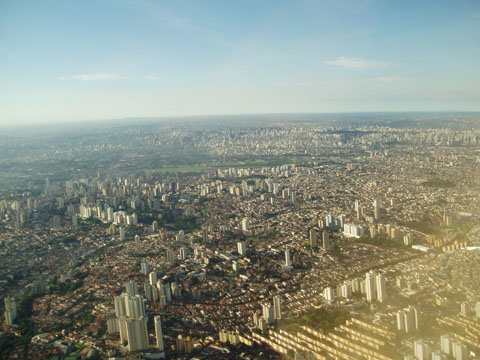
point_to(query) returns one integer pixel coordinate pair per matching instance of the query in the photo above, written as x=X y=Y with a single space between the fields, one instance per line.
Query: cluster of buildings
x=178 y=264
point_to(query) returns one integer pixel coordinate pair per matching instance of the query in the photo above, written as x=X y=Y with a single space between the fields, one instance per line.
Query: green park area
x=436 y=182
x=324 y=319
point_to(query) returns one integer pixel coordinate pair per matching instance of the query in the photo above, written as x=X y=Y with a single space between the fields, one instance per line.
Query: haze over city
x=239 y=180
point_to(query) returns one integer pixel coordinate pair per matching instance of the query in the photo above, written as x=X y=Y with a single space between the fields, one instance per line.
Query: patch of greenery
x=66 y=239
x=319 y=319
x=381 y=241
x=144 y=255
x=170 y=219
x=91 y=221
x=425 y=225
x=25 y=324
x=271 y=236
x=65 y=288
x=86 y=318
x=436 y=182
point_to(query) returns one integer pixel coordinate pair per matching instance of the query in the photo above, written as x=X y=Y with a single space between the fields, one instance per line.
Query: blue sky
x=66 y=60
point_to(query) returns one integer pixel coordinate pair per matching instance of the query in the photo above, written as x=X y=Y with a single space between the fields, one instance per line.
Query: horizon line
x=90 y=121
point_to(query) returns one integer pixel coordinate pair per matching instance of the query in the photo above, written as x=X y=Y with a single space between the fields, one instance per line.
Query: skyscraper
x=400 y=321
x=133 y=305
x=358 y=210
x=137 y=334
x=370 y=286
x=158 y=332
x=410 y=319
x=446 y=344
x=328 y=294
x=277 y=307
x=330 y=221
x=288 y=262
x=381 y=288
x=119 y=303
x=10 y=310
x=241 y=248
x=325 y=240
x=460 y=351
x=132 y=288
x=153 y=278
x=145 y=267
x=268 y=314
x=422 y=350
x=347 y=290
x=245 y=225
x=376 y=209
x=313 y=237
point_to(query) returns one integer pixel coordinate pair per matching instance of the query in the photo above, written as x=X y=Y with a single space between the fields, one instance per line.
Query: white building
x=370 y=286
x=137 y=334
x=145 y=267
x=153 y=278
x=328 y=294
x=277 y=307
x=268 y=314
x=245 y=225
x=158 y=332
x=381 y=288
x=352 y=230
x=288 y=262
x=10 y=310
x=132 y=288
x=242 y=250
x=346 y=291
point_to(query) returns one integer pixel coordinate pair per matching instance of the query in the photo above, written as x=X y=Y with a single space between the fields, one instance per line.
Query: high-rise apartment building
x=381 y=288
x=268 y=313
x=242 y=250
x=158 y=332
x=137 y=334
x=277 y=307
x=370 y=286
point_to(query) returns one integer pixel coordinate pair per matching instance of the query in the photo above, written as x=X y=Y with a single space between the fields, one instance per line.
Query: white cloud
x=89 y=77
x=151 y=77
x=355 y=63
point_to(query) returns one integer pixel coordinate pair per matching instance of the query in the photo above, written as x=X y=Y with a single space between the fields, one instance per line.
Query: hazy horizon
x=154 y=119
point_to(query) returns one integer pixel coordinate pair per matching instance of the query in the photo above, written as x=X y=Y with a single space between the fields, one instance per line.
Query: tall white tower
x=381 y=288
x=137 y=334
x=370 y=286
x=241 y=248
x=245 y=225
x=10 y=310
x=132 y=288
x=277 y=307
x=158 y=332
x=376 y=209
x=288 y=262
x=153 y=278
x=145 y=267
x=268 y=313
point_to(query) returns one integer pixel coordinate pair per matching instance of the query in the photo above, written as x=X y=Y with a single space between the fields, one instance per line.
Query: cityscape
x=297 y=237
x=239 y=180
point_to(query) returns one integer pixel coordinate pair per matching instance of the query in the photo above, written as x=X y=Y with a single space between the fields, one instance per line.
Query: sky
x=72 y=60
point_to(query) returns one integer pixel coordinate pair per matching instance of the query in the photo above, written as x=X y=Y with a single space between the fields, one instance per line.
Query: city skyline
x=348 y=236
